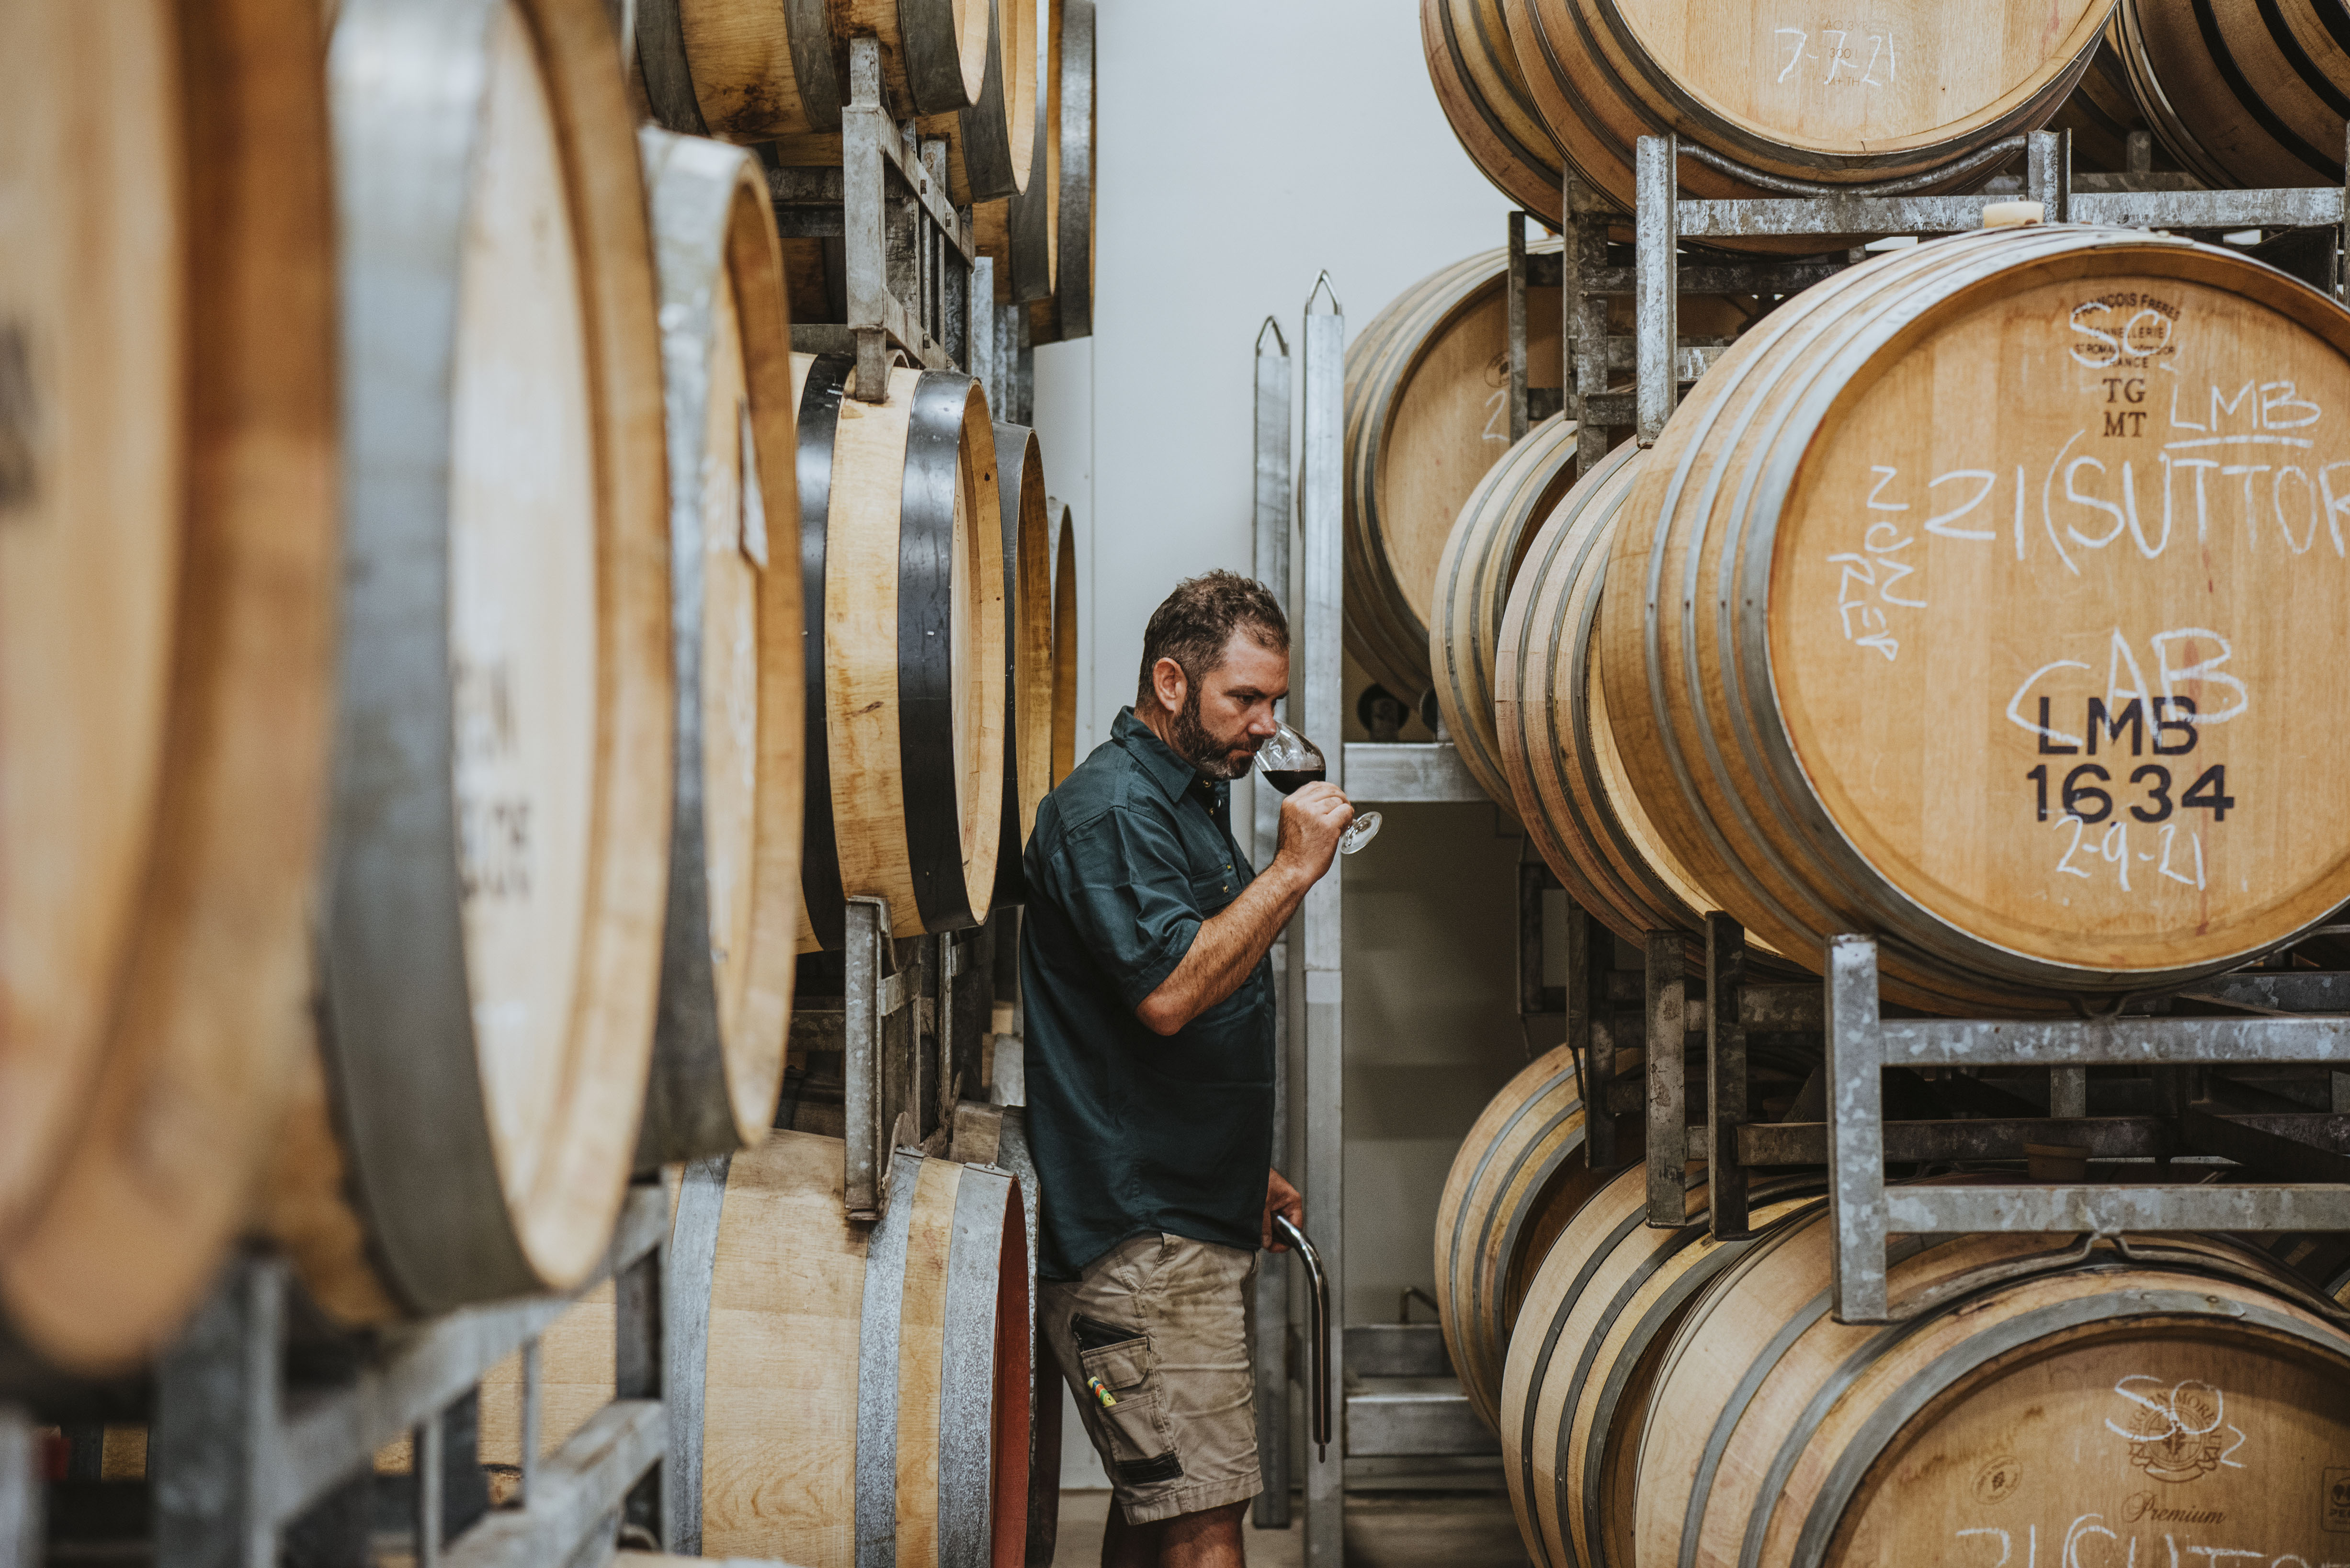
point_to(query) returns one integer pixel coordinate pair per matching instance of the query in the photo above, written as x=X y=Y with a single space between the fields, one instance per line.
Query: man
x=1150 y=1069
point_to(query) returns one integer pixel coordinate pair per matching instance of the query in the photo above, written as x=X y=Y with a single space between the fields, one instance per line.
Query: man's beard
x=1205 y=751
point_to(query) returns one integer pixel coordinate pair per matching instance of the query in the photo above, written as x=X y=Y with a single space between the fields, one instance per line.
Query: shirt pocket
x=1212 y=891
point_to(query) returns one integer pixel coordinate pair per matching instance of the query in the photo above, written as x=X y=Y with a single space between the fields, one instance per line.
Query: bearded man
x=1149 y=1069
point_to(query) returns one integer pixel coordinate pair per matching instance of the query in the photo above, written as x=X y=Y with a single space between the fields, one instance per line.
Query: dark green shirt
x=1136 y=1133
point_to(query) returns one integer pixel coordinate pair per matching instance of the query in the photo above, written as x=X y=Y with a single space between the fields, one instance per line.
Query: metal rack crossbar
x=1861 y=1045
x=249 y=1444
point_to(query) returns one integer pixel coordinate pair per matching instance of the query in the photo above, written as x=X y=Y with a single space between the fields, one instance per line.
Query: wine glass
x=1289 y=761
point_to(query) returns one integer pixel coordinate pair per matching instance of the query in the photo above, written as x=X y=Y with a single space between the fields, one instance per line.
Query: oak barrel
x=1561 y=745
x=1064 y=644
x=1895 y=554
x=1521 y=1175
x=1068 y=313
x=1913 y=90
x=1427 y=413
x=1601 y=1310
x=1473 y=576
x=2103 y=110
x=1027 y=649
x=830 y=1386
x=2242 y=92
x=759 y=69
x=730 y=936
x=1473 y=65
x=166 y=570
x=491 y=926
x=903 y=550
x=2082 y=1404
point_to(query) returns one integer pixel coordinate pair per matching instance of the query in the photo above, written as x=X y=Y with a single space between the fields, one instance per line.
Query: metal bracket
x=870 y=996
x=908 y=251
x=237 y=1454
x=1864 y=1212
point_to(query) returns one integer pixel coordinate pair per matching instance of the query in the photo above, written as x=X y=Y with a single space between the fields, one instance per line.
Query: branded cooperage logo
x=2179 y=1433
x=2000 y=1480
x=2337 y=1500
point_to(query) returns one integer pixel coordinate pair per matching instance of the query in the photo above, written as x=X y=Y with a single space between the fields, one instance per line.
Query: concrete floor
x=1440 y=1530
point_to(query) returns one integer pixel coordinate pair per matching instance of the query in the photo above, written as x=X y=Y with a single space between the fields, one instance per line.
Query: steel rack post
x=1271 y=557
x=1582 y=320
x=1321 y=694
x=1590 y=1029
x=1725 y=1076
x=20 y=1490
x=1668 y=1109
x=1656 y=297
x=871 y=997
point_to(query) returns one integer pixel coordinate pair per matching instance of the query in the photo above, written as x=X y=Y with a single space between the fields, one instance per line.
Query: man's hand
x=1281 y=1198
x=1311 y=822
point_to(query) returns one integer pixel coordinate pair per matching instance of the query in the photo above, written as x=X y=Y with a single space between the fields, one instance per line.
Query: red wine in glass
x=1290 y=761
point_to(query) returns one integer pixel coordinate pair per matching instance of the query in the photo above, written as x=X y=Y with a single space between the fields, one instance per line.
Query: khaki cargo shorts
x=1154 y=1342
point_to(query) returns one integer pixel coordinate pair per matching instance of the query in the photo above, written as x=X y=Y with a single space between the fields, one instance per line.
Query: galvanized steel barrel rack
x=1693 y=1000
x=256 y=1440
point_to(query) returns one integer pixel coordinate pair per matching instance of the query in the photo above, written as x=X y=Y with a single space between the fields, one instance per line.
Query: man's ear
x=1167 y=684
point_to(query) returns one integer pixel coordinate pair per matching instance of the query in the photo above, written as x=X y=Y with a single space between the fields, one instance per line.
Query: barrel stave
x=1480 y=560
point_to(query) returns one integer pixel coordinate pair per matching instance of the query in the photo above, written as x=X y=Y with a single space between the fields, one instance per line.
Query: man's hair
x=1195 y=623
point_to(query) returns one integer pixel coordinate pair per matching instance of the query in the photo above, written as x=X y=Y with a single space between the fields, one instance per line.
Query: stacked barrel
x=457 y=659
x=1912 y=621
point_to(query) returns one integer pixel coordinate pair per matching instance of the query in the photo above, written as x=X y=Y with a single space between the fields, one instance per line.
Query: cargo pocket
x=1124 y=1397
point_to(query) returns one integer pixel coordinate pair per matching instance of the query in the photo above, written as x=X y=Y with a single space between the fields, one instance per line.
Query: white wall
x=1244 y=148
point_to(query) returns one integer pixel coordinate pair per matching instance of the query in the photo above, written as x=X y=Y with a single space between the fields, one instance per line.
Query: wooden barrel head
x=1064 y=644
x=1068 y=313
x=503 y=783
x=1027 y=649
x=731 y=931
x=167 y=567
x=2072 y=712
x=1427 y=415
x=2070 y=1400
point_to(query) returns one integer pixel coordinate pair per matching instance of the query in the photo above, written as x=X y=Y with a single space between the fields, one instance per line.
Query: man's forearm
x=1226 y=947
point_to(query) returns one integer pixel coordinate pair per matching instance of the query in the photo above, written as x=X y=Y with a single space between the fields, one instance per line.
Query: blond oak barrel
x=166 y=570
x=1427 y=415
x=490 y=928
x=839 y=1383
x=1036 y=213
x=1481 y=560
x=1473 y=65
x=1068 y=313
x=731 y=936
x=2242 y=92
x=1895 y=548
x=2103 y=110
x=1597 y=1317
x=1561 y=745
x=1914 y=89
x=1521 y=1176
x=1027 y=649
x=2087 y=1404
x=1064 y=643
x=750 y=71
x=902 y=552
